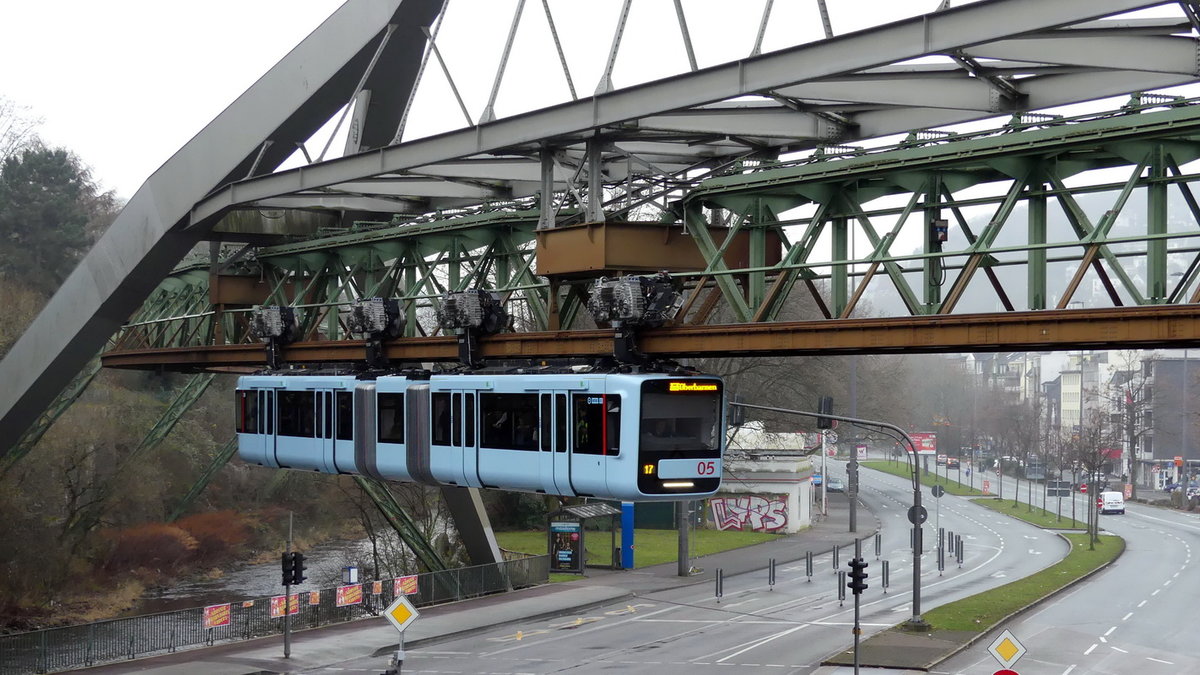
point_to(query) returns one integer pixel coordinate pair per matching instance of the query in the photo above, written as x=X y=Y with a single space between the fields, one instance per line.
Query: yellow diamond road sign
x=1006 y=649
x=401 y=613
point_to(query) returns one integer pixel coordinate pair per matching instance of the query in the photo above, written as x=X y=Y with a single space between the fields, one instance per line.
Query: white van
x=1111 y=502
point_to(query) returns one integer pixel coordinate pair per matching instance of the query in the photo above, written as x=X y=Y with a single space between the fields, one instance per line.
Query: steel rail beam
x=1049 y=330
x=945 y=31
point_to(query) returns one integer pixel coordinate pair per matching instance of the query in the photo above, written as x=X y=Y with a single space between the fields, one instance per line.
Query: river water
x=244 y=581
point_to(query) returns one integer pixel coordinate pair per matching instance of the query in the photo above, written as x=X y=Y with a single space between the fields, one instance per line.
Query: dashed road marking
x=1089 y=650
x=1126 y=617
x=1110 y=630
x=1151 y=658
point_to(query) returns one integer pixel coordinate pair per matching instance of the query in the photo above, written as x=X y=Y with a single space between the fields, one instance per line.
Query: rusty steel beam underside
x=1050 y=330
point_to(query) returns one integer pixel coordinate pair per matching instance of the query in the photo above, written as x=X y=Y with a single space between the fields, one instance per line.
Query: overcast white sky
x=124 y=83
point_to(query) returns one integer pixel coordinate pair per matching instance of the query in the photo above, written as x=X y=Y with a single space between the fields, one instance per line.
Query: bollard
x=808 y=565
x=771 y=574
x=836 y=550
x=841 y=583
x=884 y=577
x=958 y=546
x=878 y=545
x=720 y=590
x=950 y=541
x=941 y=560
x=941 y=538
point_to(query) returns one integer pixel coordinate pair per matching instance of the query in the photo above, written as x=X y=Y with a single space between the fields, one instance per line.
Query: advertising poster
x=566 y=546
x=314 y=597
x=278 y=603
x=376 y=588
x=405 y=585
x=926 y=442
x=349 y=595
x=216 y=615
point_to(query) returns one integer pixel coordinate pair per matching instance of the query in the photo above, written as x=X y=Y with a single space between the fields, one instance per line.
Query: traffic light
x=293 y=568
x=824 y=407
x=298 y=569
x=288 y=562
x=857 y=576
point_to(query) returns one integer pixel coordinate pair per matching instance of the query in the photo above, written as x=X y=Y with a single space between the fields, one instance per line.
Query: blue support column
x=627 y=535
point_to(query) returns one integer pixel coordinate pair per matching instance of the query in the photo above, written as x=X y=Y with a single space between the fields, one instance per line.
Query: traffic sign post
x=400 y=614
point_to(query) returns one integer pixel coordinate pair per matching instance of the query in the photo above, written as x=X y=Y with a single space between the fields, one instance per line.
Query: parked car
x=836 y=485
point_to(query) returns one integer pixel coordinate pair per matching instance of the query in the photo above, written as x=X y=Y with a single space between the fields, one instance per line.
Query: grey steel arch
x=990 y=57
x=255 y=134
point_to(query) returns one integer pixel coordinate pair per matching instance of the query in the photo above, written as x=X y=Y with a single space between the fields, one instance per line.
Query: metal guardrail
x=58 y=649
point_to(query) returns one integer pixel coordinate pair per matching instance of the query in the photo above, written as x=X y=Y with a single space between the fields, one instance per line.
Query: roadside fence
x=58 y=649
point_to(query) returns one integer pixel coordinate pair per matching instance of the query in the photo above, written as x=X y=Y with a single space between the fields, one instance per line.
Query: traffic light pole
x=917 y=513
x=287 y=595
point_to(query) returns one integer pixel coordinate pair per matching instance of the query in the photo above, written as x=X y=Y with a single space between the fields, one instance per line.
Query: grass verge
x=982 y=611
x=902 y=470
x=1035 y=515
x=652 y=547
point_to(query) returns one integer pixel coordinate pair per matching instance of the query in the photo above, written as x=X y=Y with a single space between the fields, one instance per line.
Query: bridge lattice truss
x=784 y=227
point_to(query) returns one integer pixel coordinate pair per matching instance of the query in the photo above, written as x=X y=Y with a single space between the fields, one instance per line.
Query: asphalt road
x=754 y=628
x=1137 y=616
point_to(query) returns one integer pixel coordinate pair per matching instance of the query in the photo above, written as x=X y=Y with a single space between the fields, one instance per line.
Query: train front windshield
x=680 y=436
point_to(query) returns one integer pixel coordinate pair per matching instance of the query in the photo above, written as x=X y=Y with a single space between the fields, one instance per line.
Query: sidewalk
x=326 y=647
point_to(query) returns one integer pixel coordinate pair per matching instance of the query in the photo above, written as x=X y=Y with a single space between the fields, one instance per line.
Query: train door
x=256 y=426
x=343 y=432
x=325 y=423
x=453 y=452
x=554 y=460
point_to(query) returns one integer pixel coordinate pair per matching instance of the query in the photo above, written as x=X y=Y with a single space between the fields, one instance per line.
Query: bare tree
x=17 y=127
x=1088 y=452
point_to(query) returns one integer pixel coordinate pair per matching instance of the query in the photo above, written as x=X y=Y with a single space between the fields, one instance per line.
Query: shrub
x=218 y=534
x=151 y=546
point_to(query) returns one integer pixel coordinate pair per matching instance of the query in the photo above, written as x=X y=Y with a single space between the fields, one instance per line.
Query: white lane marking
x=1118 y=649
x=1069 y=669
x=1089 y=650
x=1142 y=604
x=755 y=643
x=1104 y=639
x=1151 y=658
x=1175 y=575
x=1110 y=630
x=1167 y=582
x=1126 y=617
x=1156 y=591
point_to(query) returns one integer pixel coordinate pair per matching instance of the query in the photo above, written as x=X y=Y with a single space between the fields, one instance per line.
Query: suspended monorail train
x=623 y=436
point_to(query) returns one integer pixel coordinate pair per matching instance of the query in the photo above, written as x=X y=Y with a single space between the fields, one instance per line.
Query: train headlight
x=638 y=301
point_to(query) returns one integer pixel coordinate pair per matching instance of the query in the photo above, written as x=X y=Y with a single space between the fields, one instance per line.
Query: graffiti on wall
x=761 y=514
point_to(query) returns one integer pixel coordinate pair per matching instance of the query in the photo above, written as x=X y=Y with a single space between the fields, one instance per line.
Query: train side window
x=612 y=403
x=560 y=427
x=345 y=415
x=470 y=420
x=456 y=425
x=590 y=429
x=545 y=426
x=508 y=421
x=297 y=414
x=247 y=422
x=390 y=419
x=439 y=410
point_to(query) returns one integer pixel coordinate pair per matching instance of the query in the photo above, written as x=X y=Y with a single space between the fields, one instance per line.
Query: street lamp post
x=916 y=621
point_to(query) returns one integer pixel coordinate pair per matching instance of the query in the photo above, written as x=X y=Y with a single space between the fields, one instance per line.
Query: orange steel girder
x=1048 y=330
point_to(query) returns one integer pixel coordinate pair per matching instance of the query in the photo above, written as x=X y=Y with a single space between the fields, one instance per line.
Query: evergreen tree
x=47 y=202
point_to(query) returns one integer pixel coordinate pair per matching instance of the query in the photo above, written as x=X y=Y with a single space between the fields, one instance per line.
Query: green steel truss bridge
x=916 y=186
